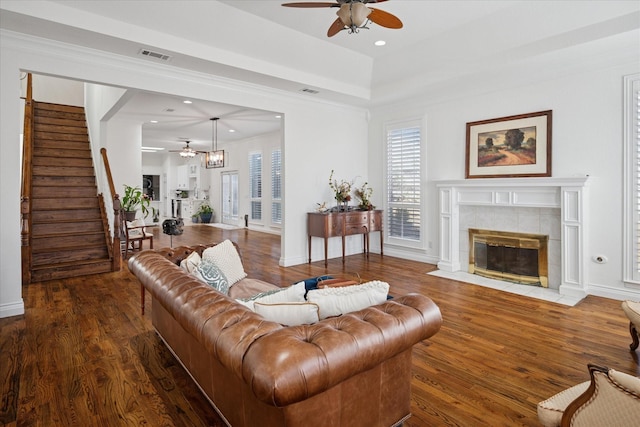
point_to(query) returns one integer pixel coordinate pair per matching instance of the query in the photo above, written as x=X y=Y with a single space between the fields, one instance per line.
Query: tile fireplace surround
x=566 y=195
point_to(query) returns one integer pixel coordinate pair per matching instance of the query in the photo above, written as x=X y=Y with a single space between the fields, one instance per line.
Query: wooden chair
x=135 y=233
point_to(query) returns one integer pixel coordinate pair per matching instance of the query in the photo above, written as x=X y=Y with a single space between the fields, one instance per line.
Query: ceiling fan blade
x=374 y=1
x=305 y=4
x=335 y=28
x=384 y=19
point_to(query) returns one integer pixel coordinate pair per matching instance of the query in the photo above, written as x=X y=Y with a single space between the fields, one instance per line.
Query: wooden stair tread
x=79 y=233
x=67 y=248
x=68 y=235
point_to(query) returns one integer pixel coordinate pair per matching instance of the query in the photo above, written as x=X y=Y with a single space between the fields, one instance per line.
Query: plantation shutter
x=631 y=229
x=635 y=132
x=255 y=182
x=403 y=182
x=276 y=186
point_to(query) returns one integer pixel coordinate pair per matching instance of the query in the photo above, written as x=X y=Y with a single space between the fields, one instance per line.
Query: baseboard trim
x=12 y=309
x=614 y=293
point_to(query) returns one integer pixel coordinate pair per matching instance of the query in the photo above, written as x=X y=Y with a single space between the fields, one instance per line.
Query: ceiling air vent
x=155 y=55
x=311 y=91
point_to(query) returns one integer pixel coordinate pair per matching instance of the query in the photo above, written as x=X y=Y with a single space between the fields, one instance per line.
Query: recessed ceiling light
x=187 y=102
x=380 y=43
x=232 y=130
x=154 y=121
x=278 y=116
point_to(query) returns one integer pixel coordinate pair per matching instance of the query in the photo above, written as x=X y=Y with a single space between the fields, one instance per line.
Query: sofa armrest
x=295 y=363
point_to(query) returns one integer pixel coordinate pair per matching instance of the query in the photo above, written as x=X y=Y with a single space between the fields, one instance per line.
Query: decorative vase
x=205 y=218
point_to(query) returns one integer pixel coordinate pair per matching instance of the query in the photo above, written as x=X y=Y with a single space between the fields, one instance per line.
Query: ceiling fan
x=354 y=15
x=187 y=151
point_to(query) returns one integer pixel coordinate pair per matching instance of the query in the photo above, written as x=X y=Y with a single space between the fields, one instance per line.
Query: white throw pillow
x=226 y=257
x=293 y=293
x=190 y=263
x=340 y=300
x=288 y=313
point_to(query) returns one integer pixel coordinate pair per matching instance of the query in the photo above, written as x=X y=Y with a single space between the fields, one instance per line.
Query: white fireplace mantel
x=567 y=194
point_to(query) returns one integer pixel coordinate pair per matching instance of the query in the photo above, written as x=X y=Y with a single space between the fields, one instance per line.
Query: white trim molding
x=570 y=195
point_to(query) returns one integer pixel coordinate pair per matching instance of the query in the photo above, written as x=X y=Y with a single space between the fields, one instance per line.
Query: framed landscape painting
x=514 y=146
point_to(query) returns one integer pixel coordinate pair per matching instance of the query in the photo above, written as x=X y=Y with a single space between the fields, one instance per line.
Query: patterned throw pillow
x=212 y=275
x=226 y=257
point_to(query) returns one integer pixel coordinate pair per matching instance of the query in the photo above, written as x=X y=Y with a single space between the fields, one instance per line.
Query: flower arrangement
x=363 y=194
x=341 y=189
x=134 y=197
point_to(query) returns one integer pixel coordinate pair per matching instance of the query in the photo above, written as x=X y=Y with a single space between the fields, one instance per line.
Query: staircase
x=69 y=231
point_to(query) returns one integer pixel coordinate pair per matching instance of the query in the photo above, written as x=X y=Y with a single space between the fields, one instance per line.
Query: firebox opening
x=515 y=257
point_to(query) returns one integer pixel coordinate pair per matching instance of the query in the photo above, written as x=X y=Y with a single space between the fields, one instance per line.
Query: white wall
x=587 y=140
x=123 y=143
x=237 y=159
x=56 y=91
x=317 y=137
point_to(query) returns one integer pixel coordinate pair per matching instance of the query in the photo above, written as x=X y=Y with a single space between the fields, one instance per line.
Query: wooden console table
x=334 y=224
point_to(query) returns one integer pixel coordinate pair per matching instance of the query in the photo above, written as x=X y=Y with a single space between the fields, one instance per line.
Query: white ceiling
x=442 y=43
x=178 y=121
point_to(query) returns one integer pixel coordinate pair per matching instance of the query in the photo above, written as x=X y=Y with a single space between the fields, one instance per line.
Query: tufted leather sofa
x=351 y=370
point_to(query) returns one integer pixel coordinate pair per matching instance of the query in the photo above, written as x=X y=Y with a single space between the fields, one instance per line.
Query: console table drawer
x=357 y=218
x=351 y=229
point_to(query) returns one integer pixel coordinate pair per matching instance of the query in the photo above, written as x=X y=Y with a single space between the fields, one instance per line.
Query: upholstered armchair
x=632 y=311
x=610 y=398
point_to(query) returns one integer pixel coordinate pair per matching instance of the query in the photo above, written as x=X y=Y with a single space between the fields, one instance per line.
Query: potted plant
x=134 y=197
x=205 y=211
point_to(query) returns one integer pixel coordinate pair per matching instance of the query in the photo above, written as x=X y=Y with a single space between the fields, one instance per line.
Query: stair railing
x=117 y=259
x=25 y=192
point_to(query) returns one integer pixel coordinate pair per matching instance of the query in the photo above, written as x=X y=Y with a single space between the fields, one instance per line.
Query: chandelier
x=215 y=157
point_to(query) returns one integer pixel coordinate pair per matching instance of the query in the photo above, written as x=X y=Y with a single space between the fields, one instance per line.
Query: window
x=255 y=185
x=632 y=179
x=403 y=210
x=276 y=186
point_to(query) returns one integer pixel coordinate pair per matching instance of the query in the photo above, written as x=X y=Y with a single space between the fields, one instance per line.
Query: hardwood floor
x=83 y=355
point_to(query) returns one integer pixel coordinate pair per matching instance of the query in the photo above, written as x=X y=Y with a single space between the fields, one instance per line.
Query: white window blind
x=276 y=186
x=632 y=179
x=255 y=183
x=403 y=182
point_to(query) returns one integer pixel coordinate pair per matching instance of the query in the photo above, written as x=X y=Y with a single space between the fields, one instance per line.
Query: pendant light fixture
x=215 y=157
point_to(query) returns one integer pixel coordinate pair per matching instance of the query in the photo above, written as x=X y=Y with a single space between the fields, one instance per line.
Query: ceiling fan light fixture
x=187 y=153
x=354 y=15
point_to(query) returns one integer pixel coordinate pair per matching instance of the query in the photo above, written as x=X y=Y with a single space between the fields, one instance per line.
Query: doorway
x=229 y=202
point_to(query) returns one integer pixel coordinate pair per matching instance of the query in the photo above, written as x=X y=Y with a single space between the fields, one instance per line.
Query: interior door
x=229 y=201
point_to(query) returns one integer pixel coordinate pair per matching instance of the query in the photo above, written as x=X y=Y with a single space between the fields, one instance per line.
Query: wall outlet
x=600 y=259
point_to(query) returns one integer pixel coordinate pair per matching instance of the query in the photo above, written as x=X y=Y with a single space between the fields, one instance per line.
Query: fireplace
x=514 y=257
x=567 y=245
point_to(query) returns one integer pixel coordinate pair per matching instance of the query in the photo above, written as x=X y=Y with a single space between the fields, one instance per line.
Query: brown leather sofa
x=351 y=370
